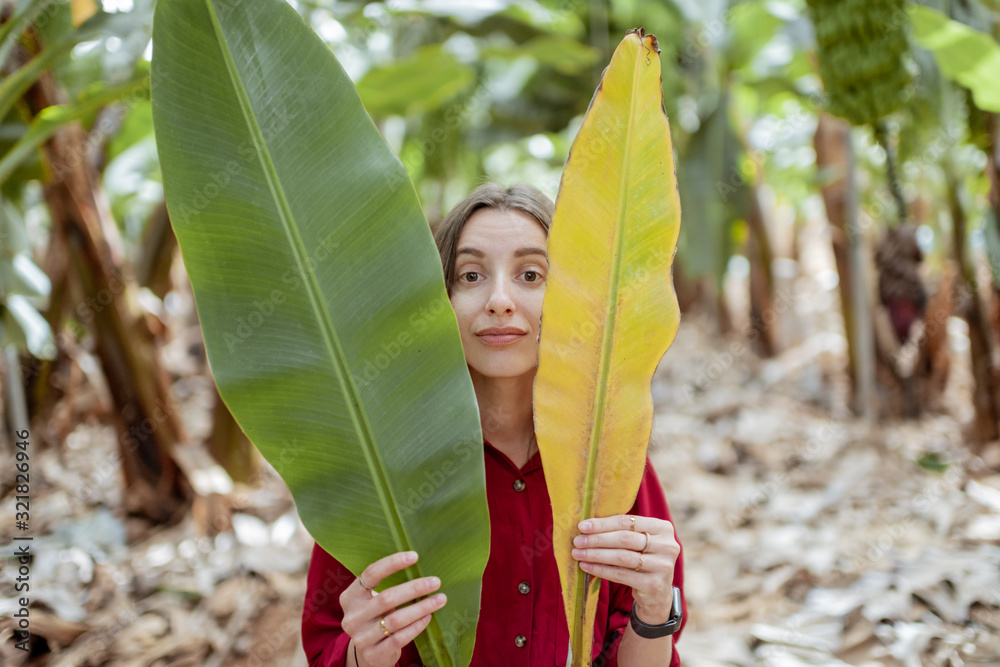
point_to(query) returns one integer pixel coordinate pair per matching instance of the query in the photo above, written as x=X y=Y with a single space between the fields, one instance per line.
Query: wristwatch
x=672 y=625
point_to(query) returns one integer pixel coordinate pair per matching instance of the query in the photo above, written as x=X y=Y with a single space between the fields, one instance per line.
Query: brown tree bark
x=986 y=393
x=830 y=142
x=157 y=253
x=230 y=446
x=763 y=315
x=993 y=174
x=87 y=246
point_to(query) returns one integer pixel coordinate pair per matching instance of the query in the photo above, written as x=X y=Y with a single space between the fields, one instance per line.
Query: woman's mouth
x=497 y=337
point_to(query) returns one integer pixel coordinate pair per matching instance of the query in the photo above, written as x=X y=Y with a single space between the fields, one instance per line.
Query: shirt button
x=519 y=485
x=520 y=640
x=523 y=588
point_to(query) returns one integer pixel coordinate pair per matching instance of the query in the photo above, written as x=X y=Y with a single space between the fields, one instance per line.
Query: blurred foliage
x=465 y=92
x=862 y=49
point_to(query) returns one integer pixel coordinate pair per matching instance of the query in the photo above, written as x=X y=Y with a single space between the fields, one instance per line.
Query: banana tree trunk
x=834 y=155
x=987 y=388
x=144 y=413
x=862 y=332
x=152 y=269
x=14 y=401
x=993 y=173
x=230 y=446
x=763 y=315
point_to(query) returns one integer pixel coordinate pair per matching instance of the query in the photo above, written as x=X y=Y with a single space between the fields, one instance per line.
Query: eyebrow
x=524 y=252
x=520 y=252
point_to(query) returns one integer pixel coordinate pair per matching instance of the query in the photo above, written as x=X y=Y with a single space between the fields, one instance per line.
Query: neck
x=506 y=415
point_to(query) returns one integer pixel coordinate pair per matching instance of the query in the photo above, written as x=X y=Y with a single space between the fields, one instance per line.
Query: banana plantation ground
x=810 y=537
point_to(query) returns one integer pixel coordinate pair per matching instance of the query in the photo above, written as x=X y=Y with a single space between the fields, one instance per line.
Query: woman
x=492 y=249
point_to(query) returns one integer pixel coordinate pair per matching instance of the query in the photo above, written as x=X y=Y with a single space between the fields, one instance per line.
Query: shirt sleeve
x=323 y=639
x=650 y=501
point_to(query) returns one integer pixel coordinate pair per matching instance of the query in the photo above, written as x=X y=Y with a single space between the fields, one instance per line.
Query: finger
x=624 y=539
x=383 y=567
x=643 y=524
x=404 y=593
x=402 y=618
x=623 y=558
x=387 y=649
x=625 y=576
x=397 y=621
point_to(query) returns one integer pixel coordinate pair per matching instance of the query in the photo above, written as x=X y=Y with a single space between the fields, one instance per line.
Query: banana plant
x=321 y=297
x=24 y=288
x=609 y=314
x=52 y=118
x=964 y=55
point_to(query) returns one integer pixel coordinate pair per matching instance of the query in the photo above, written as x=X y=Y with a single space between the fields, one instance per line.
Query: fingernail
x=440 y=598
x=580 y=541
x=577 y=553
x=586 y=566
x=585 y=525
x=434 y=582
x=410 y=557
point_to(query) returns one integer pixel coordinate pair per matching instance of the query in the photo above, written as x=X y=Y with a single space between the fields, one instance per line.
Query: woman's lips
x=498 y=340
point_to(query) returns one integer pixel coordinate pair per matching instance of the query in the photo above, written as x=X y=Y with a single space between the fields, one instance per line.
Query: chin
x=503 y=368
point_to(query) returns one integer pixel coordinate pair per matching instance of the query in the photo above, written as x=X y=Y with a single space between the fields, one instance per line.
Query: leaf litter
x=810 y=537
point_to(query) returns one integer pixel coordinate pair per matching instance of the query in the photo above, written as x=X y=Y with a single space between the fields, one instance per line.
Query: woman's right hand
x=363 y=609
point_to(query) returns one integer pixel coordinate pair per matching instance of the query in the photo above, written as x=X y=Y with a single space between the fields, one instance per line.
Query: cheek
x=464 y=311
x=535 y=308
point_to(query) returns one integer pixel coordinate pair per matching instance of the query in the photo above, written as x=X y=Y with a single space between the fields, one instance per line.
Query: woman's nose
x=500 y=300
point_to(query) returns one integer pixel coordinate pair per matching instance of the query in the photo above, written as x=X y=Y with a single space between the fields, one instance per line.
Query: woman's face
x=500 y=269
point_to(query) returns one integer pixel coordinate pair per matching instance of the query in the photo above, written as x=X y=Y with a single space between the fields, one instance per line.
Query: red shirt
x=521 y=592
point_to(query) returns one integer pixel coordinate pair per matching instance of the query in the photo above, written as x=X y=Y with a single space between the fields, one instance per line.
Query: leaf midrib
x=312 y=288
x=607 y=343
x=612 y=313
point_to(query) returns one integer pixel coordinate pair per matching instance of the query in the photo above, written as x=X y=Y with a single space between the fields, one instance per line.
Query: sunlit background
x=830 y=454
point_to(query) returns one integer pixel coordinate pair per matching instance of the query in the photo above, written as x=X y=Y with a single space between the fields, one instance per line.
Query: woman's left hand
x=615 y=549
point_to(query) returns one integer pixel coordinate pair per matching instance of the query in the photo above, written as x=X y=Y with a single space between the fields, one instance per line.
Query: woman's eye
x=531 y=276
x=471 y=276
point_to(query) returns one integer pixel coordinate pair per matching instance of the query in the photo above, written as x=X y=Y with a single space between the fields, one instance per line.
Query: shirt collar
x=534 y=463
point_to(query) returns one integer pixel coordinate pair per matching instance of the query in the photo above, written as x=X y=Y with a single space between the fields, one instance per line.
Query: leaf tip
x=643 y=37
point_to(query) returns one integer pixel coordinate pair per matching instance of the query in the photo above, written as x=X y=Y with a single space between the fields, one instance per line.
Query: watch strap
x=672 y=625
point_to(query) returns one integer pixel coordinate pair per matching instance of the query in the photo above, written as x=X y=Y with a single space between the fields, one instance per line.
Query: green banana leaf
x=423 y=82
x=321 y=297
x=52 y=118
x=965 y=55
x=14 y=85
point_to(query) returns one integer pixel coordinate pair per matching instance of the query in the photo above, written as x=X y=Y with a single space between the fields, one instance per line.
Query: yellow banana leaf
x=609 y=313
x=81 y=10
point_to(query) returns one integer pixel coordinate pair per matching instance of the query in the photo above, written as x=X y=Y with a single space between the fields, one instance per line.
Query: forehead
x=489 y=229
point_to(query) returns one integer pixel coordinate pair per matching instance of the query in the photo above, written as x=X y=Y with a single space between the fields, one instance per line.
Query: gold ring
x=632 y=527
x=647 y=544
x=639 y=566
x=364 y=585
x=381 y=624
